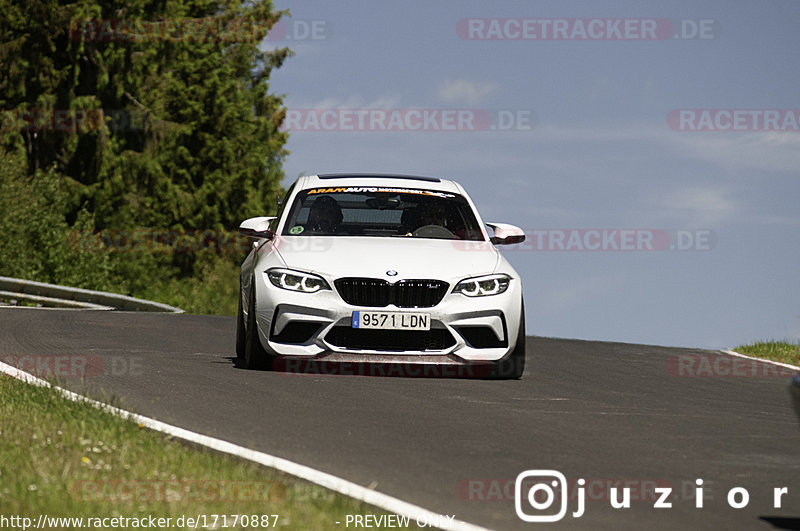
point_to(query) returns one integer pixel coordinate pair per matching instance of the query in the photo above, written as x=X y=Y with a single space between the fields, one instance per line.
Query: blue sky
x=599 y=153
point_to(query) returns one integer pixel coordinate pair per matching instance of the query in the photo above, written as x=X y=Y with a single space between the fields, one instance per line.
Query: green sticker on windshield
x=297 y=229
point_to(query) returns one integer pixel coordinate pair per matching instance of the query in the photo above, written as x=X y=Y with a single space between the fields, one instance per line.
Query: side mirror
x=257 y=227
x=505 y=234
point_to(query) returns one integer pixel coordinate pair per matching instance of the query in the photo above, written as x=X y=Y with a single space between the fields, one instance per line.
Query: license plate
x=392 y=320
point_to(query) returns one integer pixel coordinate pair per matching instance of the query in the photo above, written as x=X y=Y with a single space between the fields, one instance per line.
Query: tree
x=171 y=123
x=156 y=113
x=36 y=241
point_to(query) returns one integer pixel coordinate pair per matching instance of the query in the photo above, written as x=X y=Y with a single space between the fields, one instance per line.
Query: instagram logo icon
x=541 y=496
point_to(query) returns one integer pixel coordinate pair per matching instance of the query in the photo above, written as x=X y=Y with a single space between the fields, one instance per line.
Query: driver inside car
x=325 y=215
x=429 y=216
x=432 y=214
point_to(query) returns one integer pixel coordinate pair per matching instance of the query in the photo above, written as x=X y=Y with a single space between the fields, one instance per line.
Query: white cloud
x=461 y=91
x=771 y=151
x=350 y=102
x=765 y=151
x=700 y=206
x=581 y=291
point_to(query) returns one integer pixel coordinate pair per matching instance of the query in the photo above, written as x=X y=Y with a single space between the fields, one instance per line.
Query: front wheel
x=255 y=357
x=240 y=330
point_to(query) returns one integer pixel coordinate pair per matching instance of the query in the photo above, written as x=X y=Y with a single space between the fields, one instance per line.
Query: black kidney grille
x=377 y=293
x=364 y=291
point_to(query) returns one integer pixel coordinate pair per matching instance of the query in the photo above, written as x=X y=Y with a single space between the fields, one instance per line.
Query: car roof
x=391 y=180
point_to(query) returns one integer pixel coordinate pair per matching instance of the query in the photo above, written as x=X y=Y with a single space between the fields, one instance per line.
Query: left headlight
x=483 y=286
x=296 y=280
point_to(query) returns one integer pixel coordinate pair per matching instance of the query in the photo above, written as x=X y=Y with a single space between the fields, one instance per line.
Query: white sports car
x=392 y=269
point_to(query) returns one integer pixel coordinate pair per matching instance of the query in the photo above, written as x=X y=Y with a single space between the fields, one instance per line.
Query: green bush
x=36 y=242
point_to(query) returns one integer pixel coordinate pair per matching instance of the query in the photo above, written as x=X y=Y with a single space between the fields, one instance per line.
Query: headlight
x=296 y=280
x=483 y=286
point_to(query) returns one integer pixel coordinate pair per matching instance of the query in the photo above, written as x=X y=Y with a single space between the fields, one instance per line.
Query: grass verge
x=782 y=351
x=64 y=459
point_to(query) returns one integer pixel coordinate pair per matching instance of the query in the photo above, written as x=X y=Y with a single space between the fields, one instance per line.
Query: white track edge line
x=778 y=363
x=329 y=481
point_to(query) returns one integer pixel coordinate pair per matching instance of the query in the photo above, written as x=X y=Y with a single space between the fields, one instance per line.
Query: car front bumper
x=318 y=326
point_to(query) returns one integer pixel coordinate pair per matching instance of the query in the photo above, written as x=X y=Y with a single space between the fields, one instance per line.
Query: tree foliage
x=191 y=134
x=43 y=246
x=147 y=113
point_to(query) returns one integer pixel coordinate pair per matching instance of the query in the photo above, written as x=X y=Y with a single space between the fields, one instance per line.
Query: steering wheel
x=433 y=231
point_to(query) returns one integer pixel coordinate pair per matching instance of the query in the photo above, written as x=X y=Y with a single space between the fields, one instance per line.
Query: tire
x=240 y=331
x=255 y=357
x=512 y=367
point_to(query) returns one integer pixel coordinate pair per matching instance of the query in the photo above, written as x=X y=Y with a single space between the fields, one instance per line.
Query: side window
x=281 y=207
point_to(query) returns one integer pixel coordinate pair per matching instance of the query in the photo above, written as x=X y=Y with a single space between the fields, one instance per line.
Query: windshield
x=373 y=211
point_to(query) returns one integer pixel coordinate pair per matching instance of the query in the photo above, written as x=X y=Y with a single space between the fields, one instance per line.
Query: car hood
x=342 y=256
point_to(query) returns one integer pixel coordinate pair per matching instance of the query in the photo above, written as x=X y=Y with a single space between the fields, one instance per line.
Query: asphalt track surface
x=606 y=412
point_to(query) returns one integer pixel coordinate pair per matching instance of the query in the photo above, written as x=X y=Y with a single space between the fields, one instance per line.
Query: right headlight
x=483 y=286
x=296 y=280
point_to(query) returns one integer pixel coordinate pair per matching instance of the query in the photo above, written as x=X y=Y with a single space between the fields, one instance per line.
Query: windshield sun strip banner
x=377 y=189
